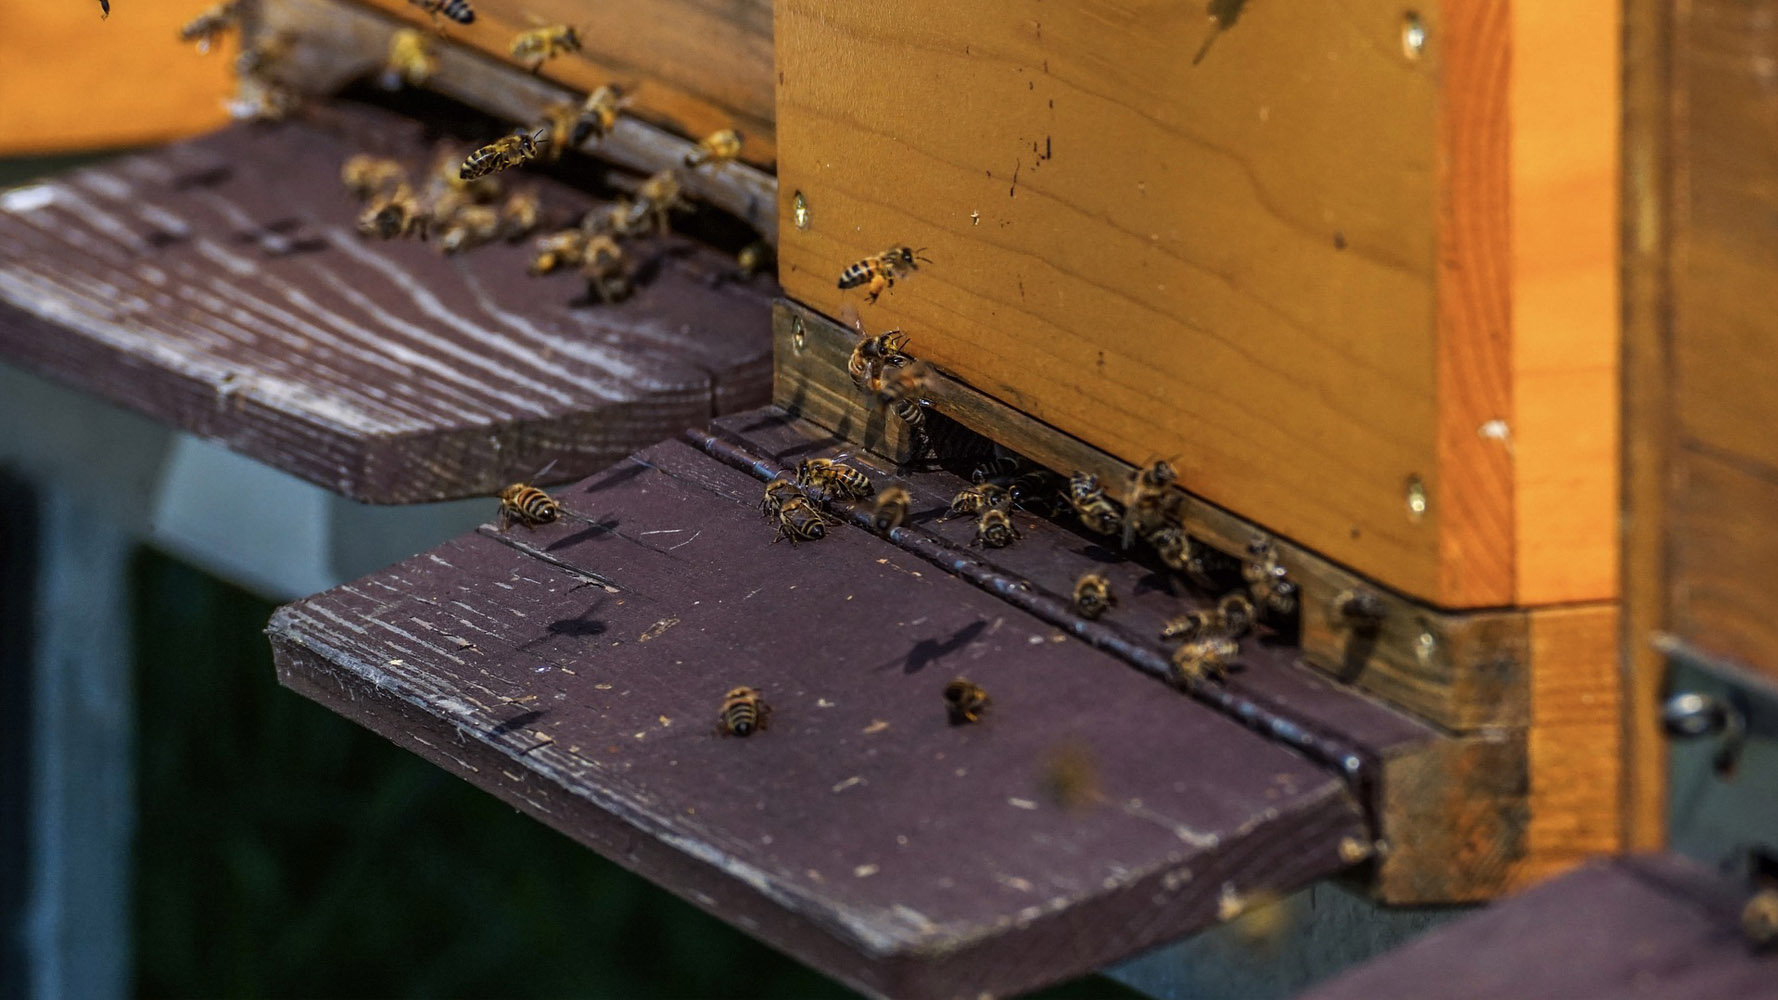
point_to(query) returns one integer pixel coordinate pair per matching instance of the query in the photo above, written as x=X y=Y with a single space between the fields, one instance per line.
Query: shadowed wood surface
x=220 y=285
x=576 y=671
x=1647 y=926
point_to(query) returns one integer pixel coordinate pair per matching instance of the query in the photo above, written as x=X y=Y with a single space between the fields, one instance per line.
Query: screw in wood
x=1413 y=35
x=799 y=210
x=1417 y=500
x=799 y=335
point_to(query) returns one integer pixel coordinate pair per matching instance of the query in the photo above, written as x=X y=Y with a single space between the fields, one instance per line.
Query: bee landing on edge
x=536 y=46
x=1266 y=580
x=743 y=713
x=878 y=272
x=598 y=114
x=1097 y=512
x=1093 y=596
x=410 y=61
x=965 y=702
x=1148 y=500
x=715 y=149
x=871 y=355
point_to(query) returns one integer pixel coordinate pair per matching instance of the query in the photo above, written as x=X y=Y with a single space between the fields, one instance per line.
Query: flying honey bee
x=871 y=355
x=978 y=498
x=607 y=269
x=743 y=713
x=504 y=153
x=1147 y=500
x=559 y=124
x=367 y=176
x=965 y=702
x=468 y=227
x=879 y=271
x=892 y=509
x=834 y=478
x=994 y=529
x=1098 y=512
x=209 y=27
x=659 y=195
x=715 y=149
x=754 y=258
x=1093 y=596
x=535 y=46
x=410 y=60
x=777 y=492
x=1266 y=580
x=598 y=114
x=799 y=520
x=1232 y=618
x=459 y=11
x=396 y=214
x=1203 y=660
x=520 y=215
x=104 y=9
x=527 y=505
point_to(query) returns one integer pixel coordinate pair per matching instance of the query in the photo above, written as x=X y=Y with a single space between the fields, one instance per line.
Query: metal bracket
x=1722 y=761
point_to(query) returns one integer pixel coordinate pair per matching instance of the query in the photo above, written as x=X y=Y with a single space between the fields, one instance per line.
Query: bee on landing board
x=1001 y=466
x=558 y=250
x=892 y=509
x=878 y=272
x=1098 y=512
x=872 y=355
x=209 y=27
x=715 y=149
x=834 y=478
x=598 y=114
x=743 y=713
x=965 y=702
x=607 y=270
x=368 y=176
x=396 y=214
x=468 y=227
x=1173 y=545
x=1232 y=618
x=535 y=46
x=800 y=520
x=1093 y=596
x=528 y=505
x=520 y=215
x=1147 y=500
x=504 y=153
x=410 y=60
x=1266 y=579
x=459 y=11
x=778 y=492
x=1202 y=661
x=754 y=258
x=659 y=195
x=978 y=498
x=994 y=529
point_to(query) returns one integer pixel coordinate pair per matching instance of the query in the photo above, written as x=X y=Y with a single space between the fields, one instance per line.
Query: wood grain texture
x=71 y=81
x=695 y=66
x=575 y=672
x=1563 y=435
x=1723 y=544
x=219 y=285
x=1575 y=745
x=1654 y=926
x=1648 y=204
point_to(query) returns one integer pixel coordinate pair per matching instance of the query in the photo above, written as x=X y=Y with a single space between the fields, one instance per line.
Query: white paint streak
x=28 y=199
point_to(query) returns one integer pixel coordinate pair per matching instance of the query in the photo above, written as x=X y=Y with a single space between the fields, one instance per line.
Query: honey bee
x=754 y=258
x=715 y=149
x=798 y=519
x=259 y=100
x=468 y=227
x=900 y=390
x=264 y=52
x=879 y=271
x=1147 y=500
x=520 y=215
x=613 y=220
x=872 y=355
x=1171 y=543
x=395 y=214
x=209 y=27
x=834 y=478
x=1098 y=512
x=1266 y=579
x=504 y=153
x=980 y=497
x=778 y=491
x=459 y=11
x=607 y=269
x=535 y=46
x=743 y=712
x=965 y=702
x=1232 y=618
x=365 y=176
x=527 y=505
x=659 y=194
x=557 y=251
x=1759 y=919
x=1035 y=491
x=892 y=509
x=410 y=60
x=1203 y=660
x=560 y=121
x=104 y=9
x=994 y=529
x=999 y=467
x=1093 y=596
x=598 y=114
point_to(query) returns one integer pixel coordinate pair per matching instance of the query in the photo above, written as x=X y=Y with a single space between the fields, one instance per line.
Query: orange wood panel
x=694 y=66
x=71 y=81
x=1563 y=430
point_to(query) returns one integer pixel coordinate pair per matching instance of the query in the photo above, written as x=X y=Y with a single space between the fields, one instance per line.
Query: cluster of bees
x=459 y=213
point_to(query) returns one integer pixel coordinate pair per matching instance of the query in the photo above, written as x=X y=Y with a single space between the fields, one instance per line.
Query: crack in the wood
x=536 y=553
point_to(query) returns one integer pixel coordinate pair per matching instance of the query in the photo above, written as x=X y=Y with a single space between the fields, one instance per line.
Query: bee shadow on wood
x=208 y=177
x=1100 y=554
x=279 y=239
x=929 y=651
x=578 y=627
x=597 y=529
x=518 y=721
x=617 y=477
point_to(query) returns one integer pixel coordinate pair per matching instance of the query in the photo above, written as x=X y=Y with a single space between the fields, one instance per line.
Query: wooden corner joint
x=1451 y=812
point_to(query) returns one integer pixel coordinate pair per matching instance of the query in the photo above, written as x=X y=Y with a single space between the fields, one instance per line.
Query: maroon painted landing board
x=219 y=285
x=576 y=672
x=1638 y=927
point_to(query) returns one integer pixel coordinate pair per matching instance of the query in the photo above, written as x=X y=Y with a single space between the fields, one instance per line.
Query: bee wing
x=545 y=470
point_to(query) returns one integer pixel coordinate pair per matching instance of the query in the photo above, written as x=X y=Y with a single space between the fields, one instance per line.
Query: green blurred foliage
x=283 y=851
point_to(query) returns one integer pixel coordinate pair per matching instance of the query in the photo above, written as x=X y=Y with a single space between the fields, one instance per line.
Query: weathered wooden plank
x=219 y=285
x=1652 y=926
x=575 y=671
